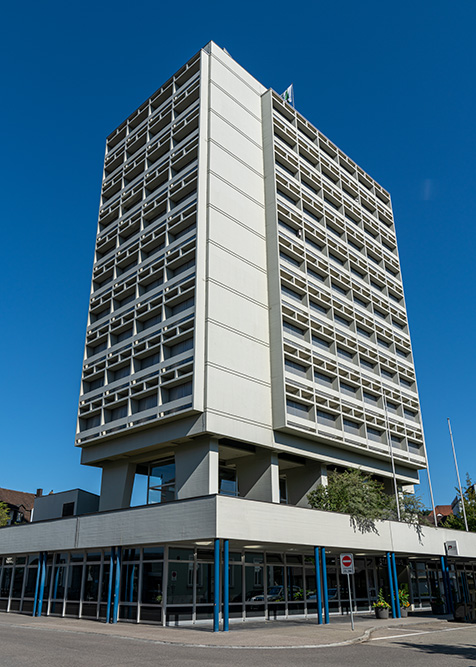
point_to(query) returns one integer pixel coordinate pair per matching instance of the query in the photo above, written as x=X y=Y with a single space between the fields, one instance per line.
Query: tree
x=358 y=494
x=469 y=498
x=353 y=492
x=4 y=514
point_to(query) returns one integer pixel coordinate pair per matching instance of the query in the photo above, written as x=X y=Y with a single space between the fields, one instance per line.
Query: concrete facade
x=246 y=287
x=247 y=334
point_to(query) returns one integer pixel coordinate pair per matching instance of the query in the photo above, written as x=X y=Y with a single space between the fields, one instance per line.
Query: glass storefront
x=175 y=584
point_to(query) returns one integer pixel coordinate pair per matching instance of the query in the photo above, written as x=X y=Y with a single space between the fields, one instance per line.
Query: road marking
x=412 y=634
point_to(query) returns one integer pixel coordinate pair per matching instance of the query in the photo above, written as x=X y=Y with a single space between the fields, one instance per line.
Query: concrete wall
x=51 y=506
x=237 y=366
x=240 y=520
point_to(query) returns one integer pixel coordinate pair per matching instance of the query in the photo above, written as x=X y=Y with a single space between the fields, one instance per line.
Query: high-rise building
x=247 y=334
x=247 y=325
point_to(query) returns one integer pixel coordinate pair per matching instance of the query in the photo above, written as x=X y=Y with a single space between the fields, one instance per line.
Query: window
x=179 y=391
x=386 y=374
x=68 y=509
x=294 y=367
x=382 y=342
x=401 y=353
x=359 y=274
x=285 y=291
x=289 y=259
x=228 y=485
x=178 y=348
x=336 y=259
x=290 y=328
x=341 y=320
x=415 y=448
x=360 y=302
x=323 y=379
x=151 y=360
x=120 y=373
x=183 y=305
x=339 y=289
x=374 y=434
x=313 y=244
x=320 y=342
x=351 y=427
x=297 y=409
x=122 y=335
x=376 y=286
x=397 y=442
x=370 y=398
x=150 y=322
x=315 y=275
x=146 y=403
x=317 y=307
x=161 y=481
x=405 y=383
x=348 y=389
x=326 y=418
x=380 y=314
x=368 y=365
x=410 y=414
x=116 y=413
x=344 y=354
x=392 y=407
x=363 y=332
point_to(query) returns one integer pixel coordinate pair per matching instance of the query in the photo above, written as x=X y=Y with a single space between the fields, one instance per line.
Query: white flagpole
x=457 y=474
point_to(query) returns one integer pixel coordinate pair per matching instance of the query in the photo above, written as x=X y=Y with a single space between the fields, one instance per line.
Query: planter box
x=403 y=612
x=381 y=613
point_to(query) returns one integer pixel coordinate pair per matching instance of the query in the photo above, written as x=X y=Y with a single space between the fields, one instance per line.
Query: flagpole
x=457 y=474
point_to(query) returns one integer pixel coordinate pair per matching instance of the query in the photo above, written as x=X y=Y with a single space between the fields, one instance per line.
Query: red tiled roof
x=18 y=499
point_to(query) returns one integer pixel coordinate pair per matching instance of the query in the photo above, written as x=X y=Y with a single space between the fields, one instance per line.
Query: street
x=49 y=645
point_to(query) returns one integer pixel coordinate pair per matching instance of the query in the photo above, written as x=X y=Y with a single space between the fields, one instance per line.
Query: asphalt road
x=25 y=646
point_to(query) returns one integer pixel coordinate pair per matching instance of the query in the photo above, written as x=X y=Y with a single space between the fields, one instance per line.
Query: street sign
x=347 y=567
x=347 y=563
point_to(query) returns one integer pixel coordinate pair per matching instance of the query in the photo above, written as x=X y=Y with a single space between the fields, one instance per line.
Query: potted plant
x=404 y=601
x=381 y=606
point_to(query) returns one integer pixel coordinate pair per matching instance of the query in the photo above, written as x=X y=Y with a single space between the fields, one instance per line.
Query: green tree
x=358 y=494
x=4 y=514
x=469 y=497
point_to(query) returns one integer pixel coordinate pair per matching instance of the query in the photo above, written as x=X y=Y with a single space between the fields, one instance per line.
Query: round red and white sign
x=346 y=561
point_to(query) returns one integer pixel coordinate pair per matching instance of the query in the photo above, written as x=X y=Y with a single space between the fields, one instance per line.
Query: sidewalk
x=256 y=635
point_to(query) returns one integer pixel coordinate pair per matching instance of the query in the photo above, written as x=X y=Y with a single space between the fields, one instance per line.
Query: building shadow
x=453 y=650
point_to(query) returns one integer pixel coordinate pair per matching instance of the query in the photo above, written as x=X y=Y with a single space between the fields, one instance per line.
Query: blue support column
x=445 y=585
x=117 y=585
x=216 y=587
x=226 y=586
x=112 y=556
x=37 y=585
x=390 y=581
x=395 y=582
x=448 y=583
x=324 y=584
x=41 y=587
x=317 y=566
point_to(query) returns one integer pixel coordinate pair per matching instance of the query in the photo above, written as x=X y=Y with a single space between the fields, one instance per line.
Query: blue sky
x=392 y=84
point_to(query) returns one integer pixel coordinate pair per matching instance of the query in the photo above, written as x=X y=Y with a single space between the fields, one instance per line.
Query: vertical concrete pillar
x=302 y=480
x=196 y=468
x=116 y=485
x=258 y=476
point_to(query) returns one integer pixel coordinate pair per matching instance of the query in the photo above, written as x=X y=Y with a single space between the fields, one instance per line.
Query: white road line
x=412 y=634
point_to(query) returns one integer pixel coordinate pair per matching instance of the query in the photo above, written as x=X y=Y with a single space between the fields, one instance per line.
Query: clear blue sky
x=391 y=83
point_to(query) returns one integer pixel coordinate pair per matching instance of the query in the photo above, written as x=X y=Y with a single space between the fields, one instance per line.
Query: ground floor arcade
x=218 y=564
